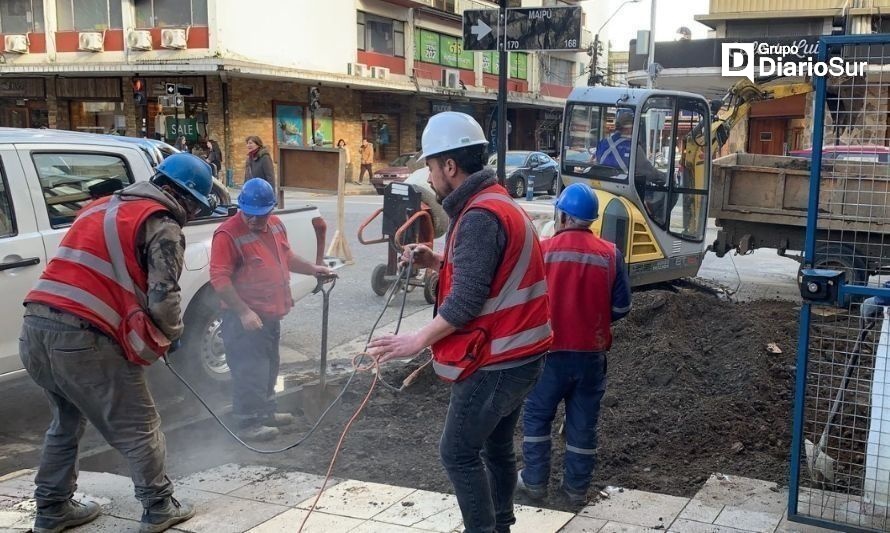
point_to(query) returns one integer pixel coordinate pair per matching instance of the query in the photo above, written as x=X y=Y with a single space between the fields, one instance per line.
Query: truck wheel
x=202 y=354
x=431 y=287
x=844 y=258
x=378 y=280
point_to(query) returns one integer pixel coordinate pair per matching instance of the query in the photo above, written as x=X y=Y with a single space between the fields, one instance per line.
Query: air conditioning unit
x=174 y=38
x=16 y=43
x=451 y=78
x=139 y=40
x=91 y=41
x=357 y=69
x=381 y=73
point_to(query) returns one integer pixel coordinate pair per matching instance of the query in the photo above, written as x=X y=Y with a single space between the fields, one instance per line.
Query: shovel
x=820 y=464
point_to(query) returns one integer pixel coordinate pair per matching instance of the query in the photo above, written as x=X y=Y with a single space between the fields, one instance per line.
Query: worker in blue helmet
x=589 y=289
x=250 y=265
x=97 y=321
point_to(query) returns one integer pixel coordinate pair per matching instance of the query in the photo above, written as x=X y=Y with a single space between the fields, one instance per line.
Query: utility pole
x=591 y=78
x=502 y=93
x=650 y=62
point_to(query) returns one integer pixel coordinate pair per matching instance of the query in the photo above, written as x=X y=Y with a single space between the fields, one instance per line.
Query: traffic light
x=139 y=95
x=314 y=95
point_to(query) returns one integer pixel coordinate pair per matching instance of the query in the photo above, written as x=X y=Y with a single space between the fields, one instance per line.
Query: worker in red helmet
x=250 y=265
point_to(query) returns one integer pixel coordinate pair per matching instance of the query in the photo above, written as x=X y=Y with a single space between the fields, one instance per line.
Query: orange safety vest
x=515 y=319
x=581 y=271
x=262 y=280
x=95 y=275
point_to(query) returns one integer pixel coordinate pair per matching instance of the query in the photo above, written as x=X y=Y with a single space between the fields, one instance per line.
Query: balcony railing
x=458 y=6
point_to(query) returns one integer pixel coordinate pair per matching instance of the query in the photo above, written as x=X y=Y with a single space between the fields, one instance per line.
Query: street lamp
x=595 y=49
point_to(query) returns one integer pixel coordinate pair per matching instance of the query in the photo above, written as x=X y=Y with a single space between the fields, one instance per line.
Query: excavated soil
x=692 y=391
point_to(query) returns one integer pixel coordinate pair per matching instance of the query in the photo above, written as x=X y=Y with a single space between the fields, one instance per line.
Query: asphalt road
x=353 y=309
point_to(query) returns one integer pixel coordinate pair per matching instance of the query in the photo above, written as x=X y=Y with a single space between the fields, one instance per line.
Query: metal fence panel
x=840 y=472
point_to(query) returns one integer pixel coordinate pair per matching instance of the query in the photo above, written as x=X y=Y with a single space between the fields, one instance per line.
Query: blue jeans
x=253 y=359
x=579 y=379
x=482 y=417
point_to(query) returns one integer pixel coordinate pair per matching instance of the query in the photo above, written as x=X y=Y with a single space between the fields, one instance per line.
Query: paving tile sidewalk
x=233 y=498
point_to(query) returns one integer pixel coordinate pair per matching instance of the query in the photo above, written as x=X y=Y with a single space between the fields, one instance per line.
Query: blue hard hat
x=191 y=174
x=257 y=197
x=579 y=201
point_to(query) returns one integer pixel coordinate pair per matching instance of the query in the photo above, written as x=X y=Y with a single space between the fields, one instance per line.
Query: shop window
x=87 y=15
x=21 y=16
x=381 y=35
x=71 y=180
x=558 y=71
x=170 y=13
x=97 y=117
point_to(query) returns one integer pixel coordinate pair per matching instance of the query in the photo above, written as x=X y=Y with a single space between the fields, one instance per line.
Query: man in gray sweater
x=493 y=323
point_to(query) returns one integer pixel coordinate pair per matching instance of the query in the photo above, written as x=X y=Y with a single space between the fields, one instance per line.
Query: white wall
x=306 y=34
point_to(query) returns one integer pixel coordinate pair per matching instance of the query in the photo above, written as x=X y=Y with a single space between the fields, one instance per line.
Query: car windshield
x=401 y=161
x=512 y=160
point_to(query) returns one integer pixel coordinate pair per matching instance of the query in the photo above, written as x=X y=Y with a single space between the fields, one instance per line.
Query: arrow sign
x=481 y=29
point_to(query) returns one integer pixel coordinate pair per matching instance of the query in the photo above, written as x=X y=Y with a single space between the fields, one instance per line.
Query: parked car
x=865 y=153
x=520 y=166
x=47 y=176
x=398 y=170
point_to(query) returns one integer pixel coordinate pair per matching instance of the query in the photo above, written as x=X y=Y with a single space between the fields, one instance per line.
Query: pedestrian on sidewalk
x=259 y=162
x=341 y=144
x=250 y=265
x=589 y=289
x=366 y=151
x=107 y=305
x=493 y=324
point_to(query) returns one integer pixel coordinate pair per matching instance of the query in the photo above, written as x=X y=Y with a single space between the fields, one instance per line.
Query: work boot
x=279 y=419
x=575 y=497
x=61 y=516
x=534 y=492
x=259 y=432
x=164 y=514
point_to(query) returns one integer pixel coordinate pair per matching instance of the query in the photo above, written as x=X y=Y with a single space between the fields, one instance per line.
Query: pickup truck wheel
x=203 y=352
x=378 y=280
x=844 y=258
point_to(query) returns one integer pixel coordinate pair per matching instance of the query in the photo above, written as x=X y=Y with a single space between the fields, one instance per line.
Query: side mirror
x=533 y=164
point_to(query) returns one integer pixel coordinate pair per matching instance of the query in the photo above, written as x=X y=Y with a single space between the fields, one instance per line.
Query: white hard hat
x=448 y=131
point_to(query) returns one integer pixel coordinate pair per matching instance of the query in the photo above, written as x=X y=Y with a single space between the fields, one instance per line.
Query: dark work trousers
x=366 y=167
x=253 y=358
x=579 y=379
x=85 y=377
x=477 y=444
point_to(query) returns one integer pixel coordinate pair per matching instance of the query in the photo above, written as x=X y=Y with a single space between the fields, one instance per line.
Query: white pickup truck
x=46 y=176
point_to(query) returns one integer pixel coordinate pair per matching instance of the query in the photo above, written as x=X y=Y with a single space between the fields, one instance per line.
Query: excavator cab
x=647 y=154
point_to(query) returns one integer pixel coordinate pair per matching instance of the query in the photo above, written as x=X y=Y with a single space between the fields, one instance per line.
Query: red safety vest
x=515 y=320
x=580 y=273
x=262 y=279
x=95 y=275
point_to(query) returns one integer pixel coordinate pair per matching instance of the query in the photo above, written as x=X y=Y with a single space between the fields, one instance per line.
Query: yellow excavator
x=654 y=203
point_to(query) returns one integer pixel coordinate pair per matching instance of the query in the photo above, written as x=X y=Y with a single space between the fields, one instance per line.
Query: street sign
x=179 y=101
x=170 y=88
x=480 y=29
x=543 y=28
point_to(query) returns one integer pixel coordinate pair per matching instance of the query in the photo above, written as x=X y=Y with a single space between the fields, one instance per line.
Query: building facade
x=381 y=67
x=777 y=126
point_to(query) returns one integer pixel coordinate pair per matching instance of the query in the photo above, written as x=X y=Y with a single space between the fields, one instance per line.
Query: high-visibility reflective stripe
x=95 y=209
x=245 y=239
x=576 y=257
x=616 y=155
x=515 y=297
x=82 y=297
x=115 y=249
x=543 y=438
x=87 y=259
x=278 y=228
x=518 y=340
x=446 y=371
x=146 y=353
x=580 y=451
x=621 y=309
